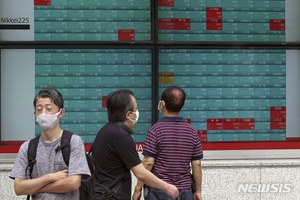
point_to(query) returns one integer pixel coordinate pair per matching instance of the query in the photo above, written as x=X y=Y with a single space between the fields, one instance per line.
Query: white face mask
x=137 y=117
x=46 y=121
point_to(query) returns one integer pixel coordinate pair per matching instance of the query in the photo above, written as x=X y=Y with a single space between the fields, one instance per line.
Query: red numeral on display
x=126 y=35
x=42 y=2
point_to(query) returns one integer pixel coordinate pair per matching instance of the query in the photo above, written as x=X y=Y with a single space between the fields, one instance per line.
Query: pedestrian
x=51 y=178
x=170 y=147
x=115 y=153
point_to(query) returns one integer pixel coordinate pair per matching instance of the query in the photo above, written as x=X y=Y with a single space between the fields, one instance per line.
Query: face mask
x=158 y=107
x=137 y=117
x=46 y=121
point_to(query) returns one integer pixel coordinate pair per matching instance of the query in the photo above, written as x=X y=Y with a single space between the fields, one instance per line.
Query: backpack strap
x=31 y=155
x=90 y=160
x=32 y=148
x=91 y=150
x=65 y=146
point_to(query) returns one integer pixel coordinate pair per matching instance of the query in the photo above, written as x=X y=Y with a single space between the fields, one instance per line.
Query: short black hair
x=51 y=93
x=118 y=104
x=173 y=101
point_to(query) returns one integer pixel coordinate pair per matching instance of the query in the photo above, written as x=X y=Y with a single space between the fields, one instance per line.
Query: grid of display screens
x=86 y=76
x=92 y=20
x=154 y=21
x=232 y=95
x=221 y=20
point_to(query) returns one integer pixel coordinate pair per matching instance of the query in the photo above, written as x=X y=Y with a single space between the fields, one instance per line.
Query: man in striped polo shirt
x=171 y=145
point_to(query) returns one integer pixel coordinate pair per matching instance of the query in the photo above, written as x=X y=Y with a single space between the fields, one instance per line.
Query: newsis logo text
x=264 y=188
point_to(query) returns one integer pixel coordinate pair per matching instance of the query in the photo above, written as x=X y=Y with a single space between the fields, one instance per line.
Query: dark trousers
x=156 y=194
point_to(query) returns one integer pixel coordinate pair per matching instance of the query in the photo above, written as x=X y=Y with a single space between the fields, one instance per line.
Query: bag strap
x=91 y=149
x=90 y=161
x=32 y=148
x=114 y=191
x=65 y=146
x=31 y=155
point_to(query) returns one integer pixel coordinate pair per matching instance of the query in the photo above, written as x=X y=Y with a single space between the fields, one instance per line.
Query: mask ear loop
x=162 y=103
x=137 y=117
x=59 y=112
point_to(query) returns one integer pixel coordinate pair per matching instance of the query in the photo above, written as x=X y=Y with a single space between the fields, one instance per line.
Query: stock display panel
x=270 y=21
x=86 y=76
x=222 y=20
x=92 y=20
x=232 y=95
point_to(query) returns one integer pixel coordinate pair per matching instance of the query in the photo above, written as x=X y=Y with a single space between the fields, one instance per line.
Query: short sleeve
x=126 y=150
x=198 y=153
x=78 y=163
x=21 y=162
x=151 y=143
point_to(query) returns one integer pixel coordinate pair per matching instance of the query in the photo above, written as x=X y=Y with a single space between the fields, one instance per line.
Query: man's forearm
x=197 y=175
x=198 y=179
x=139 y=184
x=62 y=186
x=148 y=163
x=31 y=186
x=148 y=178
x=152 y=181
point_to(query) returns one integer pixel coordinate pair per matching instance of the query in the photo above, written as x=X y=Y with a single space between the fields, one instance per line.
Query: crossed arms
x=58 y=182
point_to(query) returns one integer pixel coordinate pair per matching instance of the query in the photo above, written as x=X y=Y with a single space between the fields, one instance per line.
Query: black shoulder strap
x=65 y=146
x=91 y=150
x=32 y=148
x=115 y=190
x=31 y=154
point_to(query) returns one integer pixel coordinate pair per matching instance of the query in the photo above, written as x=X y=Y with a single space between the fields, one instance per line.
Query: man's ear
x=61 y=114
x=163 y=103
x=127 y=116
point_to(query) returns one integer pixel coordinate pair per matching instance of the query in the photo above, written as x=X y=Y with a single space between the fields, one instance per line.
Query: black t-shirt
x=114 y=153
